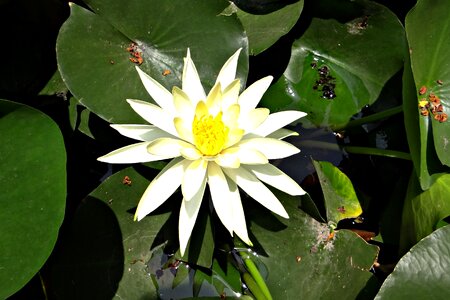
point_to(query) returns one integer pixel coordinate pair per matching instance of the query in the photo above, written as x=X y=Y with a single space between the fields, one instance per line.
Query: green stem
x=372 y=118
x=253 y=287
x=44 y=290
x=254 y=272
x=378 y=152
x=357 y=150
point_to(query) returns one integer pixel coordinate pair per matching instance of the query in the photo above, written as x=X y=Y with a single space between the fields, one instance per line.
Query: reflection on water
x=317 y=144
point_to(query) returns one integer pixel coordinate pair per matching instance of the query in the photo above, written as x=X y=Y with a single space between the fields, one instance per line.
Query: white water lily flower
x=220 y=139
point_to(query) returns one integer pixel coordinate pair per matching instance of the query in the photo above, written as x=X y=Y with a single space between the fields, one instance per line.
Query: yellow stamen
x=210 y=133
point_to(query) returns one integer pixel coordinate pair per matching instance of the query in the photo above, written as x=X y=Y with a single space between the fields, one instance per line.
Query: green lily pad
x=423 y=211
x=430 y=63
x=117 y=261
x=423 y=272
x=337 y=68
x=341 y=201
x=94 y=49
x=33 y=197
x=300 y=249
x=264 y=30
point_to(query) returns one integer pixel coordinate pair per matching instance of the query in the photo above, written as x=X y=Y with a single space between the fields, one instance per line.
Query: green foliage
x=33 y=180
x=95 y=64
x=423 y=272
x=347 y=82
x=355 y=66
x=106 y=251
x=424 y=210
x=340 y=197
x=323 y=265
x=430 y=63
x=264 y=30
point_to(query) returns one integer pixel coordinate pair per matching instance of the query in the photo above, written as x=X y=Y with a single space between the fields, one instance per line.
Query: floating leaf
x=301 y=249
x=120 y=257
x=423 y=272
x=94 y=49
x=105 y=252
x=33 y=197
x=338 y=68
x=264 y=30
x=341 y=201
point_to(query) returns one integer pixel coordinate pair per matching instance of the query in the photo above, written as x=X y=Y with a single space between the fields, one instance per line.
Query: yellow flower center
x=210 y=134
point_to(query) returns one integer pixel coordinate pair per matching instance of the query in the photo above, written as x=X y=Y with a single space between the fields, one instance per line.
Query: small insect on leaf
x=440 y=82
x=433 y=98
x=442 y=117
x=166 y=72
x=136 y=55
x=131 y=48
x=341 y=209
x=422 y=90
x=424 y=112
x=126 y=181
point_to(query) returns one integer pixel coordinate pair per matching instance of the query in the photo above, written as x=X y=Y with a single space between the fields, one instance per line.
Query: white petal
x=134 y=153
x=154 y=115
x=159 y=93
x=193 y=177
x=214 y=99
x=251 y=156
x=228 y=72
x=182 y=103
x=252 y=119
x=250 y=98
x=230 y=116
x=161 y=188
x=220 y=193
x=228 y=158
x=168 y=147
x=282 y=133
x=191 y=83
x=271 y=148
x=140 y=132
x=234 y=136
x=184 y=129
x=240 y=226
x=256 y=189
x=230 y=94
x=191 y=153
x=276 y=178
x=278 y=120
x=188 y=215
